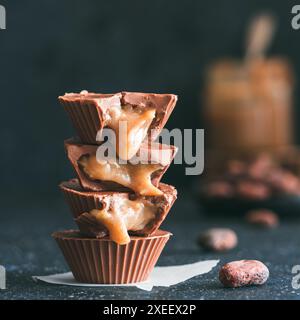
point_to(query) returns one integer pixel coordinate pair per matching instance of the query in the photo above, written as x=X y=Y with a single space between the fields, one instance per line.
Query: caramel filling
x=136 y=177
x=131 y=126
x=123 y=215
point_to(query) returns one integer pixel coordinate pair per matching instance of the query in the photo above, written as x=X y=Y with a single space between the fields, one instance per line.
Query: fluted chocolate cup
x=88 y=111
x=102 y=261
x=156 y=154
x=81 y=202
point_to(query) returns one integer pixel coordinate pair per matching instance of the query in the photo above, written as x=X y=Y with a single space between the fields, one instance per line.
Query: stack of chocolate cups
x=117 y=205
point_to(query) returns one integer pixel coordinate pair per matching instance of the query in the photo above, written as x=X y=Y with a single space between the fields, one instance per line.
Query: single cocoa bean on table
x=262 y=217
x=243 y=273
x=220 y=189
x=253 y=190
x=218 y=239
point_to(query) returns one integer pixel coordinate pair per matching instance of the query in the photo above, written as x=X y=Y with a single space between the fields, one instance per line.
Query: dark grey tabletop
x=26 y=249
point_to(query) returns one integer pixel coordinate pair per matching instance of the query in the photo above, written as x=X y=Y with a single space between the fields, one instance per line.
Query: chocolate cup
x=81 y=201
x=87 y=111
x=158 y=153
x=102 y=261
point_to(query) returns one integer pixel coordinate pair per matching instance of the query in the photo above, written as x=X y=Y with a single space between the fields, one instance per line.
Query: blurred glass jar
x=248 y=107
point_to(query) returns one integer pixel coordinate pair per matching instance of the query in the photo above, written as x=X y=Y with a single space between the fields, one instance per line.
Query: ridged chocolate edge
x=75 y=150
x=86 y=119
x=85 y=201
x=87 y=116
x=105 y=262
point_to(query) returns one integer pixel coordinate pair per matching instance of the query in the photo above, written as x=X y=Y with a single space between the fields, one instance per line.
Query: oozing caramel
x=122 y=215
x=131 y=126
x=136 y=177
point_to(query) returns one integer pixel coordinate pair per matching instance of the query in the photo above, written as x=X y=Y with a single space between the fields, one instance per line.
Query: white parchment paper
x=160 y=277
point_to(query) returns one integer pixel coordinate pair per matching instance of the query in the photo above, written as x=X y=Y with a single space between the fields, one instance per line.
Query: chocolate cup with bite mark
x=158 y=153
x=89 y=111
x=81 y=202
x=102 y=261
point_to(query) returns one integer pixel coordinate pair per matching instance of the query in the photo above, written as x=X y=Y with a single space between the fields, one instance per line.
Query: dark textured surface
x=27 y=249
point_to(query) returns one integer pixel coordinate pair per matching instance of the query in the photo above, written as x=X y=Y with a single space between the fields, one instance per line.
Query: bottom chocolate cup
x=103 y=261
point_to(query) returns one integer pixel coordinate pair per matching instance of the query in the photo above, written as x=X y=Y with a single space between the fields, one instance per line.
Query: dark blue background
x=54 y=46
